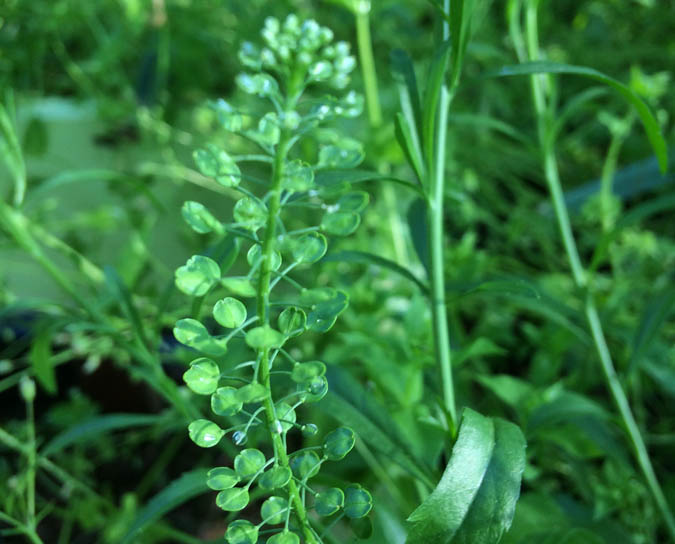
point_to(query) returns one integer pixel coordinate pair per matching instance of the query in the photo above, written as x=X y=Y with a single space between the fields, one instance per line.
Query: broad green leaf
x=252 y=392
x=305 y=465
x=248 y=463
x=338 y=443
x=329 y=501
x=273 y=510
x=340 y=223
x=202 y=376
x=220 y=478
x=304 y=372
x=225 y=401
x=88 y=430
x=309 y=248
x=369 y=258
x=292 y=321
x=229 y=312
x=40 y=357
x=250 y=213
x=197 y=276
x=200 y=218
x=285 y=537
x=358 y=502
x=475 y=500
x=650 y=124
x=241 y=532
x=233 y=500
x=239 y=286
x=205 y=433
x=324 y=314
x=215 y=163
x=265 y=337
x=275 y=478
x=181 y=490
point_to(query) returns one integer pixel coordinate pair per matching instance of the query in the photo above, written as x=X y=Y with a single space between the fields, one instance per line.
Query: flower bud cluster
x=307 y=47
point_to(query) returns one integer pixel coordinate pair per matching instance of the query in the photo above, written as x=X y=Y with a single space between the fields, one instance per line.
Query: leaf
x=197 y=276
x=358 y=502
x=364 y=257
x=650 y=124
x=215 y=163
x=233 y=500
x=40 y=357
x=225 y=401
x=220 y=478
x=305 y=465
x=285 y=537
x=273 y=510
x=338 y=443
x=309 y=248
x=229 y=312
x=475 y=500
x=657 y=310
x=205 y=433
x=265 y=337
x=192 y=333
x=91 y=428
x=248 y=463
x=274 y=478
x=199 y=218
x=250 y=213
x=323 y=315
x=181 y=490
x=202 y=376
x=403 y=71
x=347 y=402
x=432 y=93
x=340 y=223
x=417 y=222
x=333 y=177
x=239 y=286
x=410 y=145
x=329 y=501
x=292 y=321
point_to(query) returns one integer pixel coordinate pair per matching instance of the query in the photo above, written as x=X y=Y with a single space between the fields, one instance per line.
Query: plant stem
x=31 y=458
x=435 y=217
x=580 y=279
x=264 y=319
x=367 y=62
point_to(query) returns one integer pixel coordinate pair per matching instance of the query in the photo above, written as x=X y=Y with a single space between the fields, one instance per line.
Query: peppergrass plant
x=266 y=391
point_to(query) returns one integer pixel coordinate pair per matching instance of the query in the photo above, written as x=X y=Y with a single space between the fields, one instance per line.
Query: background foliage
x=108 y=100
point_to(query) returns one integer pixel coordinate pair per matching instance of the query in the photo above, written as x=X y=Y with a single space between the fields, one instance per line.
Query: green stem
x=368 y=71
x=578 y=272
x=435 y=224
x=31 y=458
x=274 y=205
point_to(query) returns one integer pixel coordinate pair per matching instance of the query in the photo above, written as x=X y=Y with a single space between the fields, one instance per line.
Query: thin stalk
x=579 y=274
x=436 y=223
x=31 y=456
x=368 y=72
x=263 y=295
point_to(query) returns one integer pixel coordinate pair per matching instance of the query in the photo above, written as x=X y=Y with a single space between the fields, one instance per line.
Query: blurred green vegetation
x=108 y=99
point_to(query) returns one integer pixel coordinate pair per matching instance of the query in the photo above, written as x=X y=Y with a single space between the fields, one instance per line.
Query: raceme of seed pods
x=295 y=56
